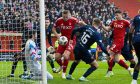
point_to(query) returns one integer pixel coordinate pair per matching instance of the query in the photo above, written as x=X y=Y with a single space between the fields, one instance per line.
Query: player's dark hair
x=118 y=11
x=96 y=21
x=65 y=12
x=31 y=33
x=47 y=18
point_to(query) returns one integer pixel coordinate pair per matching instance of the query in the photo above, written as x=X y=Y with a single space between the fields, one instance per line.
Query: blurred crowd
x=19 y=15
x=22 y=15
x=84 y=10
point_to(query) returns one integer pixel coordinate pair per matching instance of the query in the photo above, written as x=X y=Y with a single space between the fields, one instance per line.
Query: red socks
x=110 y=64
x=123 y=64
x=65 y=64
x=59 y=62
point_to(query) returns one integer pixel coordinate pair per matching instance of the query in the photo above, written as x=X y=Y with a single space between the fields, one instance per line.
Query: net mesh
x=17 y=17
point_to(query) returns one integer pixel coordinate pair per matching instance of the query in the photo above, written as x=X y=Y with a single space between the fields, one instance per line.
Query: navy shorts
x=81 y=53
x=137 y=49
x=126 y=53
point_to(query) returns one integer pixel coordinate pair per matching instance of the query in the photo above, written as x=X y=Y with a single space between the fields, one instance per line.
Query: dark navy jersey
x=136 y=24
x=48 y=34
x=88 y=36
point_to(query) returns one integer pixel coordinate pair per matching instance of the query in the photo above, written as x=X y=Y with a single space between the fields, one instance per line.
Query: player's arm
x=34 y=54
x=106 y=28
x=77 y=30
x=131 y=31
x=99 y=42
x=55 y=33
x=54 y=29
x=82 y=23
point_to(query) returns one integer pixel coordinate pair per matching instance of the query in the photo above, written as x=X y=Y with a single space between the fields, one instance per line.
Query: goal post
x=17 y=19
x=43 y=40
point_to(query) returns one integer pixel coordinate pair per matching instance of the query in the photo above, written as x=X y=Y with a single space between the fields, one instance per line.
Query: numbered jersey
x=88 y=36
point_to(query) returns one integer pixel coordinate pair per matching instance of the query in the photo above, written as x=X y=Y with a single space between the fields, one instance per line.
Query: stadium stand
x=19 y=16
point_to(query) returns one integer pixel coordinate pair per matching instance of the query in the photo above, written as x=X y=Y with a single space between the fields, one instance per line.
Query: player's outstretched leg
x=93 y=67
x=137 y=67
x=25 y=67
x=122 y=64
x=127 y=54
x=14 y=65
x=51 y=62
x=59 y=61
x=65 y=64
x=132 y=63
x=72 y=68
x=136 y=73
x=111 y=64
x=66 y=55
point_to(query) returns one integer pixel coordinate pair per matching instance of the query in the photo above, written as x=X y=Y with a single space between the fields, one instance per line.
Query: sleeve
x=76 y=21
x=100 y=43
x=127 y=24
x=33 y=52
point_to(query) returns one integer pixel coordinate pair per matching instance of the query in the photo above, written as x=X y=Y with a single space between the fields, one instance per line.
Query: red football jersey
x=66 y=27
x=119 y=28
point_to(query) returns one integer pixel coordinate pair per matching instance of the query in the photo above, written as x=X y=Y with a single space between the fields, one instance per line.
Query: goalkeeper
x=32 y=58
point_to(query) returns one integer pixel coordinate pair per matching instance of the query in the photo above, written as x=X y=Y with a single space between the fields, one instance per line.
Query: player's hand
x=82 y=23
x=51 y=49
x=102 y=24
x=108 y=47
x=71 y=41
x=58 y=36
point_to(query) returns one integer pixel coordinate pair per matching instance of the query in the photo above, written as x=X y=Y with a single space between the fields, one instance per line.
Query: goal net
x=17 y=17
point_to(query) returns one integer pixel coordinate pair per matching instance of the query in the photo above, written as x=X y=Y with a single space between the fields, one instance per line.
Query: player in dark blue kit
x=50 y=50
x=136 y=43
x=88 y=36
x=126 y=53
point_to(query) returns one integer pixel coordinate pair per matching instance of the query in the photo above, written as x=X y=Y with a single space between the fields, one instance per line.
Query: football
x=63 y=40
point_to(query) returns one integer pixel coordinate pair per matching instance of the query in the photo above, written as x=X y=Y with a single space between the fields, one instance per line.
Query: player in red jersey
x=66 y=24
x=118 y=27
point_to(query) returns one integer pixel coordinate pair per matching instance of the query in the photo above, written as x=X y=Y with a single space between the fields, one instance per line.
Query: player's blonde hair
x=65 y=12
x=96 y=21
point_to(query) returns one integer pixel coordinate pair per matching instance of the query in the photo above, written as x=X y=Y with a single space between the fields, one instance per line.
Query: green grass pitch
x=121 y=76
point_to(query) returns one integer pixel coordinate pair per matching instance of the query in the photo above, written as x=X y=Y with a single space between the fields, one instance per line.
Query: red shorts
x=117 y=46
x=68 y=46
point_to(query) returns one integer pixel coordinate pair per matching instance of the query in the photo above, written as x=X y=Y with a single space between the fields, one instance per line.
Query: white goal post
x=43 y=41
